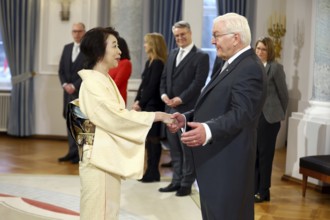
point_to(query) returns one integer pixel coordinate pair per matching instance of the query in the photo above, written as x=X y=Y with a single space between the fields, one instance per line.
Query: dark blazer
x=68 y=73
x=187 y=79
x=277 y=93
x=148 y=93
x=230 y=105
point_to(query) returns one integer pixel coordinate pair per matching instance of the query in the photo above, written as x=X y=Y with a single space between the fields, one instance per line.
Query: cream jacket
x=119 y=143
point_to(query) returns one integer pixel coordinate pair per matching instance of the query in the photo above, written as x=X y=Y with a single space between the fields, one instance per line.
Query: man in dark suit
x=223 y=124
x=183 y=77
x=71 y=62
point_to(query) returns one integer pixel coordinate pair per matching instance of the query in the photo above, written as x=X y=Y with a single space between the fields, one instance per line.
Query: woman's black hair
x=93 y=44
x=124 y=49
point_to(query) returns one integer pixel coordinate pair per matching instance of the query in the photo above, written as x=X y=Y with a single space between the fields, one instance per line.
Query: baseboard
x=50 y=137
x=43 y=137
x=322 y=189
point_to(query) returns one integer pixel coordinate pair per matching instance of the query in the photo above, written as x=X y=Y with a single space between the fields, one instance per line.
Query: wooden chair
x=317 y=167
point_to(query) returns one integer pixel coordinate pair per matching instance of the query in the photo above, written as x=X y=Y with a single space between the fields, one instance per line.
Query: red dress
x=120 y=75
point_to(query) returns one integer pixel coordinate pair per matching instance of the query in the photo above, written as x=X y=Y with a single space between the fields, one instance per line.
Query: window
x=209 y=13
x=5 y=76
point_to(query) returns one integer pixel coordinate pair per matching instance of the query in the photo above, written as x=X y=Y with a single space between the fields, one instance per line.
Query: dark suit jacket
x=277 y=93
x=148 y=93
x=187 y=79
x=230 y=105
x=68 y=73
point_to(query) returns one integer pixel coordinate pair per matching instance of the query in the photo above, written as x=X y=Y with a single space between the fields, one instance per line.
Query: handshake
x=173 y=121
x=195 y=137
x=169 y=121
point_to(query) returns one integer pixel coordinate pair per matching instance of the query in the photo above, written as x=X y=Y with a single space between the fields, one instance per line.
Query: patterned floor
x=34 y=197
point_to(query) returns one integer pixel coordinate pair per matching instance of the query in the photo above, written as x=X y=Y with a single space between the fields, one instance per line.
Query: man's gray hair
x=181 y=24
x=235 y=23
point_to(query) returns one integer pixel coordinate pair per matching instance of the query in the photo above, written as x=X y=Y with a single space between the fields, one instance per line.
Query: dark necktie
x=225 y=65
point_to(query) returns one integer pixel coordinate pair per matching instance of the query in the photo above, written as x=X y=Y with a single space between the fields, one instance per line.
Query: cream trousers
x=100 y=191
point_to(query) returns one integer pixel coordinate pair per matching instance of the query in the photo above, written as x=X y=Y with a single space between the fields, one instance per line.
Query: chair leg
x=304 y=185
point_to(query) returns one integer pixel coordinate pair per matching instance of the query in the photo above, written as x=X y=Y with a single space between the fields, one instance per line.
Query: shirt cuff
x=208 y=133
x=185 y=124
x=163 y=95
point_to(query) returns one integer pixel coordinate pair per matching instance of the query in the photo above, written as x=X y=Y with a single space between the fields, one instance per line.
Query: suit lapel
x=187 y=57
x=78 y=57
x=172 y=59
x=171 y=65
x=217 y=78
x=185 y=60
x=218 y=64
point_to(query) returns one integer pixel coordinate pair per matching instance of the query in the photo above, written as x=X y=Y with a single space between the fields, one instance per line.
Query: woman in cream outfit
x=118 y=148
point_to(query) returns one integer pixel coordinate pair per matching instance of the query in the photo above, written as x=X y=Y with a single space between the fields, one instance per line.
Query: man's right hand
x=180 y=122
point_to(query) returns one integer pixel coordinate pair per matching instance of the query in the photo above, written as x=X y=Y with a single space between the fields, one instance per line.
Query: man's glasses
x=77 y=31
x=217 y=36
x=181 y=35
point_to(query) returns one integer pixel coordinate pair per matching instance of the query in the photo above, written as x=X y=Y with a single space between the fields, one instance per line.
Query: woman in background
x=148 y=99
x=117 y=149
x=123 y=71
x=270 y=120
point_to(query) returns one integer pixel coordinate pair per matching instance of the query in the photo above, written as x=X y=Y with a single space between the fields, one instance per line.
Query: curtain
x=104 y=13
x=18 y=23
x=237 y=6
x=163 y=14
x=242 y=7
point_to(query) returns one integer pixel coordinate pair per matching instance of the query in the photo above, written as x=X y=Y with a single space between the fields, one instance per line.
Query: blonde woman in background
x=148 y=99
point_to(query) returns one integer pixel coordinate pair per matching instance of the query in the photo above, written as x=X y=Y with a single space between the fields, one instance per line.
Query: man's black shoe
x=183 y=191
x=258 y=198
x=169 y=188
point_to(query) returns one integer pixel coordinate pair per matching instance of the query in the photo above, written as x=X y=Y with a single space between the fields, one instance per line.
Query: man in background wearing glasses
x=183 y=77
x=71 y=62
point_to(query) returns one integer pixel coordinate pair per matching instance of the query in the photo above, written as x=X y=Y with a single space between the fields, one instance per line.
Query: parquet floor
x=39 y=156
